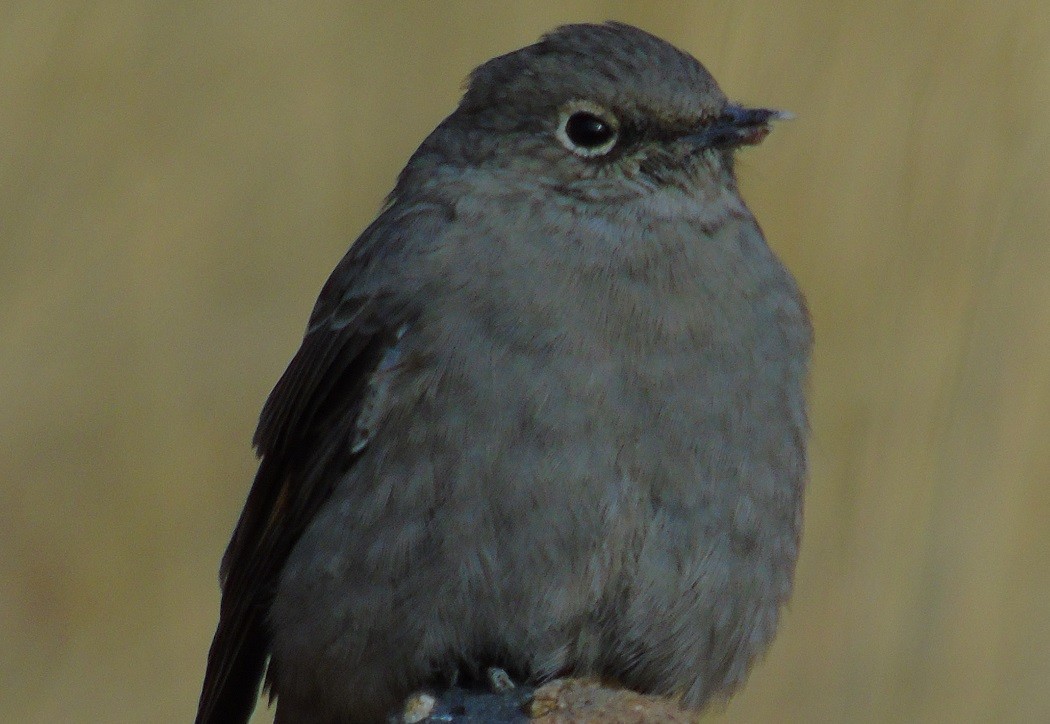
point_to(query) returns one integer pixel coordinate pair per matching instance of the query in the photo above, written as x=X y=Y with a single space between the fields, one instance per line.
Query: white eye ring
x=587 y=129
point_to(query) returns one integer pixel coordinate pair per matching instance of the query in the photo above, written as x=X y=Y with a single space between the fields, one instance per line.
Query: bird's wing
x=307 y=439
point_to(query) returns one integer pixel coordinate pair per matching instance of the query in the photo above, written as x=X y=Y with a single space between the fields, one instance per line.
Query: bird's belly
x=525 y=516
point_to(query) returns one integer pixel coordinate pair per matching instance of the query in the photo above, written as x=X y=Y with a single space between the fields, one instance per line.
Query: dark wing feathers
x=303 y=439
x=303 y=455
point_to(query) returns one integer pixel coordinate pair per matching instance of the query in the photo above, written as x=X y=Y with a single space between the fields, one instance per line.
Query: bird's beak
x=737 y=126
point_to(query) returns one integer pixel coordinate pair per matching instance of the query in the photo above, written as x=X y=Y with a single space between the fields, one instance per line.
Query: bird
x=548 y=415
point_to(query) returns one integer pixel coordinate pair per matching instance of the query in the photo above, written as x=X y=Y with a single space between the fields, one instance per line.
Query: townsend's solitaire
x=548 y=413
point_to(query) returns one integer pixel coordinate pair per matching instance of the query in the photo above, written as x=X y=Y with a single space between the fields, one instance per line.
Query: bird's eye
x=587 y=130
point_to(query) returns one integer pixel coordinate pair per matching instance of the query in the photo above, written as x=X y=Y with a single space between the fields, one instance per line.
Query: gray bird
x=548 y=413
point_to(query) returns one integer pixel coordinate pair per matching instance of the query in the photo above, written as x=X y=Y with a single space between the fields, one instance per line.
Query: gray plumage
x=548 y=414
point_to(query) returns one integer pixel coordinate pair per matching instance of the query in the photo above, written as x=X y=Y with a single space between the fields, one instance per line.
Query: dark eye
x=587 y=130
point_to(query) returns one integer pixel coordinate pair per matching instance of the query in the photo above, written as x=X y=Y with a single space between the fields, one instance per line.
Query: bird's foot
x=499 y=680
x=417 y=708
x=494 y=699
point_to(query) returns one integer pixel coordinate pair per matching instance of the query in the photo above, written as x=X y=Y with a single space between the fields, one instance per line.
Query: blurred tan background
x=177 y=180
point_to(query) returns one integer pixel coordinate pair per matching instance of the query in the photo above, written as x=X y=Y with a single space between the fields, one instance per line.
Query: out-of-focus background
x=177 y=180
